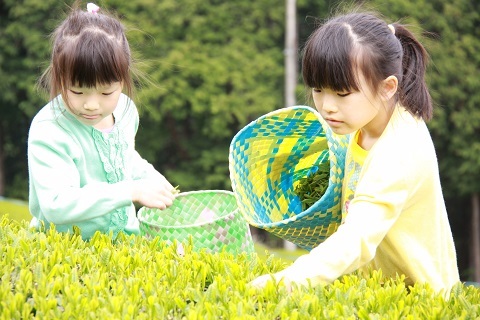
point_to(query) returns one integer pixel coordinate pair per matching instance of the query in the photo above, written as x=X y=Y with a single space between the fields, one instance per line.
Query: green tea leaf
x=311 y=188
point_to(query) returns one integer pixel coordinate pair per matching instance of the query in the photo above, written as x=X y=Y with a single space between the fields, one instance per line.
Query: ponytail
x=413 y=91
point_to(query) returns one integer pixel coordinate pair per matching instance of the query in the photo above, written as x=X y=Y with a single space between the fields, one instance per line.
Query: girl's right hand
x=153 y=193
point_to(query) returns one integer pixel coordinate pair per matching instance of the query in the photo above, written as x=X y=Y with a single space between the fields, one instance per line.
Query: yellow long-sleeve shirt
x=394 y=214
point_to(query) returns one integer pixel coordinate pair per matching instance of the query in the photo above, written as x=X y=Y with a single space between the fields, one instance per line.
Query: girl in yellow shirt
x=367 y=81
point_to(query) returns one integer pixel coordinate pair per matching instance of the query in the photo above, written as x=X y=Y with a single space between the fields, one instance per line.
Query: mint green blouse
x=80 y=176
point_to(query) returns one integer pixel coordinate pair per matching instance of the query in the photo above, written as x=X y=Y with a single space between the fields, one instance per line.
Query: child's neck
x=369 y=134
x=365 y=141
x=106 y=123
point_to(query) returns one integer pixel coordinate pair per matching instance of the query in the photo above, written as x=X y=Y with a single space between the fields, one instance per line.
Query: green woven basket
x=208 y=218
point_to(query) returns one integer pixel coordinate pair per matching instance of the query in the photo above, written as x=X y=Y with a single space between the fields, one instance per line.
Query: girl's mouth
x=333 y=122
x=90 y=117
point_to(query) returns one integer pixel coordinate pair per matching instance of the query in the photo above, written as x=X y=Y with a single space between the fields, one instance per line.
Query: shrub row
x=51 y=275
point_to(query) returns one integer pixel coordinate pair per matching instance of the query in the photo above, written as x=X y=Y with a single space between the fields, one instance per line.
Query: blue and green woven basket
x=267 y=159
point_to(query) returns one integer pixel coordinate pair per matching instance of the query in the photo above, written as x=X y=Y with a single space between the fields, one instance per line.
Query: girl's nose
x=91 y=105
x=328 y=105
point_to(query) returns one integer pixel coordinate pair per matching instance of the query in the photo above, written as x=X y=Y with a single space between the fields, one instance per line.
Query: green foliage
x=311 y=188
x=59 y=276
x=23 y=52
x=455 y=78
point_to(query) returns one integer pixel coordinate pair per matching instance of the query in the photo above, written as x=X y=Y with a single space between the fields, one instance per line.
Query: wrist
x=134 y=192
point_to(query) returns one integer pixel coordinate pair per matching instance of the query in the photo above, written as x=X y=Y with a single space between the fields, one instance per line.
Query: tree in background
x=23 y=51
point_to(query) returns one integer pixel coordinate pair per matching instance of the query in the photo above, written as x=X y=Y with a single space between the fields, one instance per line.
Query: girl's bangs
x=87 y=65
x=329 y=62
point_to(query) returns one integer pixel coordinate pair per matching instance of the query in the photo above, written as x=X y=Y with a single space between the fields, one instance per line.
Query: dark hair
x=333 y=52
x=89 y=49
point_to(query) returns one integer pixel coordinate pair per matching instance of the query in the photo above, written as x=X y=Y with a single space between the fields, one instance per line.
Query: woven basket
x=208 y=218
x=267 y=159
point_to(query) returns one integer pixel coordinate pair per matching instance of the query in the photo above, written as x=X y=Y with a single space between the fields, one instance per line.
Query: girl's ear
x=389 y=87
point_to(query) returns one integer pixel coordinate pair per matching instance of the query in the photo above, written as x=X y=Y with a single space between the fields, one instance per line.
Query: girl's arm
x=355 y=242
x=352 y=246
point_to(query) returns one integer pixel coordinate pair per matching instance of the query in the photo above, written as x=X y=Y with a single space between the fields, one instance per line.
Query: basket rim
x=269 y=114
x=183 y=194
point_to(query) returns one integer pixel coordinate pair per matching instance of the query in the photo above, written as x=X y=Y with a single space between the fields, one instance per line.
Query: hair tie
x=92 y=8
x=392 y=28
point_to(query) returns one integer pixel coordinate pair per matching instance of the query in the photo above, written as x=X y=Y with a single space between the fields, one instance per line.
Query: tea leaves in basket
x=311 y=188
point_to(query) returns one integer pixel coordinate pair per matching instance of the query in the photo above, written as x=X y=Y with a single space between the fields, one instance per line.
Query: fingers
x=262 y=281
x=153 y=193
x=166 y=188
x=159 y=203
x=167 y=195
x=168 y=200
x=161 y=198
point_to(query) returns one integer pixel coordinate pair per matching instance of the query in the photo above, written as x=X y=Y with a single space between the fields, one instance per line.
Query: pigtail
x=413 y=91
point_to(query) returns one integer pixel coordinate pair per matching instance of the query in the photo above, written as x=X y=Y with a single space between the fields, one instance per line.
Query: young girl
x=83 y=167
x=367 y=81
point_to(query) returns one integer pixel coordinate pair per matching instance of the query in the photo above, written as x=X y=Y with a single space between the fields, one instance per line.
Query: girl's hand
x=261 y=281
x=153 y=193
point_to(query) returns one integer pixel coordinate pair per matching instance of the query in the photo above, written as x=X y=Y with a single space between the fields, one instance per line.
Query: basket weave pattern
x=267 y=159
x=210 y=219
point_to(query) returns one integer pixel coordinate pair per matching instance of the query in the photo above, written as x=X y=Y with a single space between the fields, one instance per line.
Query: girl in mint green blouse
x=84 y=170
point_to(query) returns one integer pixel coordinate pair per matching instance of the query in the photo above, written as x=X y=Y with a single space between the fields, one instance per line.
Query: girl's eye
x=343 y=94
x=76 y=92
x=317 y=90
x=107 y=93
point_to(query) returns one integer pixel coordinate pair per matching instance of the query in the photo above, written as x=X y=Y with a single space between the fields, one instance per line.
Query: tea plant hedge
x=51 y=275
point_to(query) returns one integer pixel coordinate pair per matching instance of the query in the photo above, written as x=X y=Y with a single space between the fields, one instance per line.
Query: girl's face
x=94 y=106
x=347 y=112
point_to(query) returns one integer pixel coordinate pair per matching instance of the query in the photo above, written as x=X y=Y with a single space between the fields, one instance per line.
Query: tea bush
x=51 y=275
